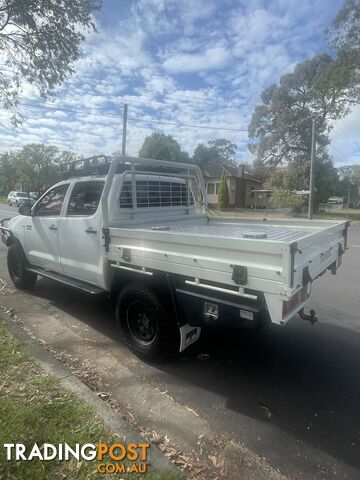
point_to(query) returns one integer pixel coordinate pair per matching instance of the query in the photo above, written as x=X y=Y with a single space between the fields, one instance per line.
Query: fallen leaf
x=192 y=411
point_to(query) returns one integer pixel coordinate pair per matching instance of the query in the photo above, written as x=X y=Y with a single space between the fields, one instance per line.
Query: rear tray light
x=294 y=301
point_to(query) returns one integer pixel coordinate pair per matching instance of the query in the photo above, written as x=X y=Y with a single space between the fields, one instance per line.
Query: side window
x=51 y=204
x=85 y=198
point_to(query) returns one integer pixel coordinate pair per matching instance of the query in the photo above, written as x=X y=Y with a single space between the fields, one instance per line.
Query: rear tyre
x=20 y=277
x=145 y=325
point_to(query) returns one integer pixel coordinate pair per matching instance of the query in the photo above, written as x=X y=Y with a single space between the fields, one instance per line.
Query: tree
x=318 y=89
x=204 y=155
x=37 y=166
x=223 y=198
x=8 y=173
x=216 y=151
x=67 y=156
x=34 y=166
x=344 y=36
x=39 y=40
x=349 y=183
x=225 y=150
x=323 y=88
x=295 y=176
x=163 y=147
x=283 y=198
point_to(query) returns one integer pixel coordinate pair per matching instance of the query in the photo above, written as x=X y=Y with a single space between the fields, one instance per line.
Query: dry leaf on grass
x=191 y=411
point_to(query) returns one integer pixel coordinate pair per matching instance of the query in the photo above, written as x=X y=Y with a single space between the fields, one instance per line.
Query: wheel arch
x=160 y=283
x=12 y=240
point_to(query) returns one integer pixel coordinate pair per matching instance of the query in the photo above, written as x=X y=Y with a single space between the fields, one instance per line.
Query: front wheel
x=20 y=277
x=145 y=325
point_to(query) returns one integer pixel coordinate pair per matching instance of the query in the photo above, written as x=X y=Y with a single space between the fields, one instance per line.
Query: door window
x=85 y=199
x=51 y=204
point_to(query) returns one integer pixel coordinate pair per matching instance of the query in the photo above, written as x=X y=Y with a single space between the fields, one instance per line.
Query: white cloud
x=56 y=114
x=210 y=59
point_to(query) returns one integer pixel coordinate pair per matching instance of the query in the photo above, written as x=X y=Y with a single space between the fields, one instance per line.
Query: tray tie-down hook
x=311 y=317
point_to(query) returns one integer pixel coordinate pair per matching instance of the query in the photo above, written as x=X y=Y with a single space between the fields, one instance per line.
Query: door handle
x=53 y=227
x=90 y=230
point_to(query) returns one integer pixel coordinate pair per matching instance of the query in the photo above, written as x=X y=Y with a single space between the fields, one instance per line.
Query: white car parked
x=17 y=198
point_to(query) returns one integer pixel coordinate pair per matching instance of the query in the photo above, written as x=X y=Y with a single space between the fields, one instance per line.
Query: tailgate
x=318 y=252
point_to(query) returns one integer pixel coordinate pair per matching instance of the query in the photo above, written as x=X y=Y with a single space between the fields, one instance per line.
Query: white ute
x=141 y=231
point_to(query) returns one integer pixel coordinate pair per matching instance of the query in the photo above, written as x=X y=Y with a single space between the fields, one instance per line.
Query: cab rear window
x=155 y=193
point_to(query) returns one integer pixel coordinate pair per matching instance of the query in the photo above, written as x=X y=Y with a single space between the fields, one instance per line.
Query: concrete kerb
x=68 y=381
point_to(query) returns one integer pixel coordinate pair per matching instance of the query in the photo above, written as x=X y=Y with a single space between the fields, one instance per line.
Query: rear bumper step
x=71 y=282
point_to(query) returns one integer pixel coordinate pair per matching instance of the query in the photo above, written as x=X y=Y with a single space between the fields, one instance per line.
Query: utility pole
x=123 y=149
x=312 y=173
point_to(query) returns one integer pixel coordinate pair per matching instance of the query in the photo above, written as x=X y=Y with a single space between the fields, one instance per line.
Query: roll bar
x=132 y=162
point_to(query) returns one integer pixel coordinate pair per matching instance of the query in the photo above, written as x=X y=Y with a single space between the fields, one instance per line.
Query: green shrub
x=282 y=198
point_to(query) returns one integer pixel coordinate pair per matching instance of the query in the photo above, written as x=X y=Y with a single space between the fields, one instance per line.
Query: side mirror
x=25 y=210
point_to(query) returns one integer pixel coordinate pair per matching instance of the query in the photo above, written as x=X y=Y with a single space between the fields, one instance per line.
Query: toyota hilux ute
x=140 y=230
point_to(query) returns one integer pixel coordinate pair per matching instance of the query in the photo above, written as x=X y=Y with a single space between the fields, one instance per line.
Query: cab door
x=42 y=230
x=80 y=236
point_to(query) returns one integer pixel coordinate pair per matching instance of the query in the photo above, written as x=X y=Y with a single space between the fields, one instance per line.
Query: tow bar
x=311 y=317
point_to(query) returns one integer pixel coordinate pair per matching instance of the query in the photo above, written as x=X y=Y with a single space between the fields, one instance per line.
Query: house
x=242 y=188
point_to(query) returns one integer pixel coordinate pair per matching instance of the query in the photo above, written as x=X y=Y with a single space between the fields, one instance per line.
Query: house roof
x=216 y=170
x=252 y=179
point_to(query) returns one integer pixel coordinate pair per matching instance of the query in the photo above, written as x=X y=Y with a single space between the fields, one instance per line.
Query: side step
x=71 y=282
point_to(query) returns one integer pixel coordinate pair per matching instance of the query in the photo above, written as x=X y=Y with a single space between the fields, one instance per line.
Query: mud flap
x=188 y=336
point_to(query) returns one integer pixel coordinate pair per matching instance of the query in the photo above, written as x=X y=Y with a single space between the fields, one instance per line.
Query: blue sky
x=202 y=63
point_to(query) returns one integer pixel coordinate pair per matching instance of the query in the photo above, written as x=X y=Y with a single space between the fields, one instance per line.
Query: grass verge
x=34 y=408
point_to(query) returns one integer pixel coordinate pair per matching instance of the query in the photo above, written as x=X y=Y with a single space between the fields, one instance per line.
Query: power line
x=150 y=121
x=188 y=125
x=71 y=110
x=338 y=151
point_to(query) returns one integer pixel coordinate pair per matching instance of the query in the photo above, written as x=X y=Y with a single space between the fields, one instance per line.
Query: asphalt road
x=290 y=394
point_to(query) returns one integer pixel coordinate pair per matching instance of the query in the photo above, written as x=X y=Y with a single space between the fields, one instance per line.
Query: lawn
x=34 y=408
